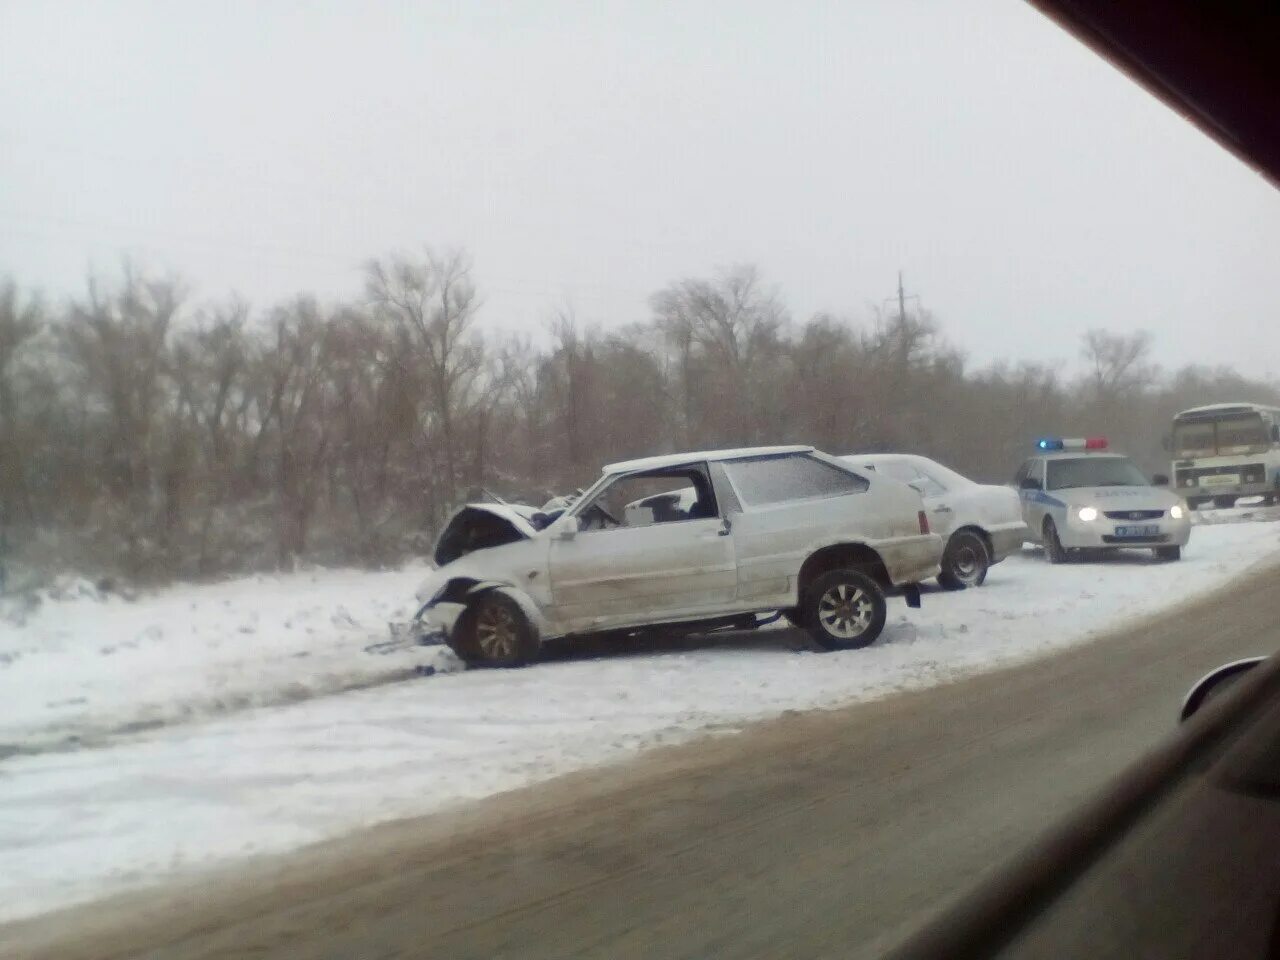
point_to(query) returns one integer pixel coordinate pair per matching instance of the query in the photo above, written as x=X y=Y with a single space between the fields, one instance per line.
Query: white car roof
x=680 y=459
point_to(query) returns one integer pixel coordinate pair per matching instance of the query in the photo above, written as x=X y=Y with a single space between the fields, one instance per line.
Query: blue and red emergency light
x=1074 y=443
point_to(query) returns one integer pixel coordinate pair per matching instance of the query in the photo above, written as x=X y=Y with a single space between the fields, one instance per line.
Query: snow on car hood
x=1117 y=498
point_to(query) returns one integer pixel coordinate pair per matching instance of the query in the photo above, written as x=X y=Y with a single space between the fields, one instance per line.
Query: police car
x=1077 y=496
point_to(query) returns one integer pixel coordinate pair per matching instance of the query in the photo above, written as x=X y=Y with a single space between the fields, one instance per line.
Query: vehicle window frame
x=726 y=495
x=610 y=482
x=862 y=484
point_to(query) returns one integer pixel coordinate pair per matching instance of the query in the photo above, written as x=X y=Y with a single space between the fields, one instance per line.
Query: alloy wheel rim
x=496 y=633
x=845 y=611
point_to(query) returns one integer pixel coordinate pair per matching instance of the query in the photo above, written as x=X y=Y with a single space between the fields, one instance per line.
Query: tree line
x=146 y=436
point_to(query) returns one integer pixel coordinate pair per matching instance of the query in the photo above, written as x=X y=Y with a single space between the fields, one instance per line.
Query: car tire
x=844 y=610
x=1224 y=503
x=965 y=562
x=494 y=632
x=1053 y=548
x=1168 y=553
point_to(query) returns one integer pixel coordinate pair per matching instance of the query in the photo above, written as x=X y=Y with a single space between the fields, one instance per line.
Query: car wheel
x=844 y=610
x=965 y=561
x=1168 y=553
x=1053 y=548
x=494 y=632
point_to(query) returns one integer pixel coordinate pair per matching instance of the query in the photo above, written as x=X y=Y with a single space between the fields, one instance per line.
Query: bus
x=1226 y=451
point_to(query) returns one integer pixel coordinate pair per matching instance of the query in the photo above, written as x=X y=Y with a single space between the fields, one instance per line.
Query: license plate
x=1146 y=530
x=1221 y=480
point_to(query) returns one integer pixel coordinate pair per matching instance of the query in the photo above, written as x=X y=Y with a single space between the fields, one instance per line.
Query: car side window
x=652 y=497
x=1032 y=469
x=929 y=486
x=1035 y=471
x=899 y=470
x=761 y=481
x=908 y=472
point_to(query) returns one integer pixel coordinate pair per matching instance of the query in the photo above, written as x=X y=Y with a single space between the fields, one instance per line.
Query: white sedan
x=981 y=524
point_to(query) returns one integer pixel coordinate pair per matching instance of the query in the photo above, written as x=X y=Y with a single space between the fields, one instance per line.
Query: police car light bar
x=1074 y=443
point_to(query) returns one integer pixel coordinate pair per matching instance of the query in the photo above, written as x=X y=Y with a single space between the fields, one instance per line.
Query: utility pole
x=898 y=387
x=902 y=299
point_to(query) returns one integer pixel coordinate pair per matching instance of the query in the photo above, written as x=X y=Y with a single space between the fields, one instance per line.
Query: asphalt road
x=817 y=835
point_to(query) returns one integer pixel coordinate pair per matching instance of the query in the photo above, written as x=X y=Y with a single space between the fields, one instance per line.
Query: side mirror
x=1214 y=684
x=1030 y=483
x=568 y=528
x=1160 y=480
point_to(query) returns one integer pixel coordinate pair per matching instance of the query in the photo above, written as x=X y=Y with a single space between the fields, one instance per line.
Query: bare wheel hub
x=966 y=562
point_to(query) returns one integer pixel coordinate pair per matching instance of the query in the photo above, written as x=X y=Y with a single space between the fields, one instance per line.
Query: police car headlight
x=1176 y=511
x=1088 y=514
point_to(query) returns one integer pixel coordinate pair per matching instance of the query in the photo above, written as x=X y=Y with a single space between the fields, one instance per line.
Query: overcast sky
x=590 y=153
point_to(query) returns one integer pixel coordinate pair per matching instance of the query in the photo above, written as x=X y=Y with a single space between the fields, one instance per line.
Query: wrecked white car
x=695 y=540
x=981 y=523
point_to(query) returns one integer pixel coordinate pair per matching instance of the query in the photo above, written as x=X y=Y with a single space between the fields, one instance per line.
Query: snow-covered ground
x=224 y=779
x=77 y=666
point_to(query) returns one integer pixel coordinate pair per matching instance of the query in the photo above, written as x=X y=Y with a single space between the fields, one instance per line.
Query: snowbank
x=79 y=824
x=79 y=666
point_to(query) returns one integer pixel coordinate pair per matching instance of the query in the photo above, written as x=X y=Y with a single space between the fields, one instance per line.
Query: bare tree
x=157 y=443
x=1118 y=363
x=19 y=322
x=118 y=342
x=431 y=303
x=734 y=323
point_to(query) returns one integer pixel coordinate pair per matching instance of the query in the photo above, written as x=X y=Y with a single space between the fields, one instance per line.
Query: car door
x=789 y=501
x=629 y=575
x=942 y=514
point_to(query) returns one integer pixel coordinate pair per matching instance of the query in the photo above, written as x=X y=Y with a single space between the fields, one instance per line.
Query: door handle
x=943 y=508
